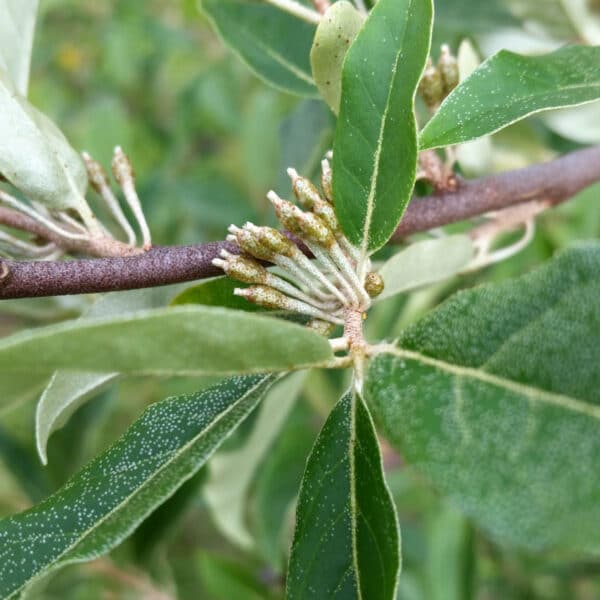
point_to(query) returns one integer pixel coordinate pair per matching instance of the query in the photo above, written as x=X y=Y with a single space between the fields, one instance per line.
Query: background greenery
x=208 y=139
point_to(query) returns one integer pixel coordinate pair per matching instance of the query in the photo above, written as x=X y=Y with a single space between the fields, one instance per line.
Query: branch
x=555 y=182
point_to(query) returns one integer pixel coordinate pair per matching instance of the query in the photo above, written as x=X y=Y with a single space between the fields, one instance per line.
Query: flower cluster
x=325 y=287
x=439 y=80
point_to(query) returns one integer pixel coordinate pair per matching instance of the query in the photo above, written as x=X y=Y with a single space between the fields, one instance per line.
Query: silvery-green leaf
x=15 y=388
x=17 y=25
x=425 y=262
x=273 y=43
x=304 y=138
x=475 y=157
x=508 y=87
x=103 y=503
x=232 y=472
x=68 y=390
x=495 y=398
x=347 y=542
x=579 y=123
x=337 y=30
x=35 y=156
x=375 y=147
x=183 y=340
x=65 y=393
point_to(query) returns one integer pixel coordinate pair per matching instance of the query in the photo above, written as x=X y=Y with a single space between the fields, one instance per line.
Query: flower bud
x=249 y=243
x=374 y=284
x=448 y=68
x=306 y=193
x=122 y=168
x=264 y=296
x=276 y=242
x=326 y=213
x=305 y=225
x=431 y=86
x=241 y=268
x=96 y=174
x=326 y=178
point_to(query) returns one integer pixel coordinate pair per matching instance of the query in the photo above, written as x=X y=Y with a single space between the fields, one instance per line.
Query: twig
x=554 y=182
x=100 y=246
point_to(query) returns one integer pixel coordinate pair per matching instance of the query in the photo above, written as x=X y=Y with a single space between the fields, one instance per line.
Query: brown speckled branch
x=555 y=181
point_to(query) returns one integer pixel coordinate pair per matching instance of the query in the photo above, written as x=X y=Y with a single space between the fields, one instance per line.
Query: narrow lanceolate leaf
x=273 y=43
x=508 y=87
x=17 y=25
x=35 y=156
x=495 y=397
x=65 y=393
x=232 y=473
x=347 y=542
x=68 y=390
x=107 y=500
x=184 y=340
x=338 y=28
x=375 y=148
x=425 y=262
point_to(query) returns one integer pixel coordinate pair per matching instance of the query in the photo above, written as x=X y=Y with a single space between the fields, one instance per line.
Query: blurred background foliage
x=208 y=139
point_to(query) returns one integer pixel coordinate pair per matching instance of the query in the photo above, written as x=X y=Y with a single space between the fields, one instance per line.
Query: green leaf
x=337 y=30
x=375 y=148
x=35 y=156
x=347 y=542
x=68 y=390
x=508 y=87
x=16 y=389
x=184 y=340
x=21 y=462
x=107 y=500
x=227 y=580
x=277 y=483
x=273 y=43
x=495 y=397
x=457 y=19
x=65 y=393
x=304 y=138
x=17 y=25
x=232 y=473
x=165 y=522
x=450 y=559
x=425 y=262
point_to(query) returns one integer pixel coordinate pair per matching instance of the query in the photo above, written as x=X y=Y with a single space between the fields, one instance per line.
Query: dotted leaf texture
x=347 y=541
x=375 y=147
x=184 y=340
x=273 y=43
x=508 y=87
x=338 y=28
x=495 y=397
x=102 y=504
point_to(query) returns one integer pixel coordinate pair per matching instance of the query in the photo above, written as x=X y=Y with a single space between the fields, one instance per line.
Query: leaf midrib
x=535 y=394
x=86 y=533
x=364 y=247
